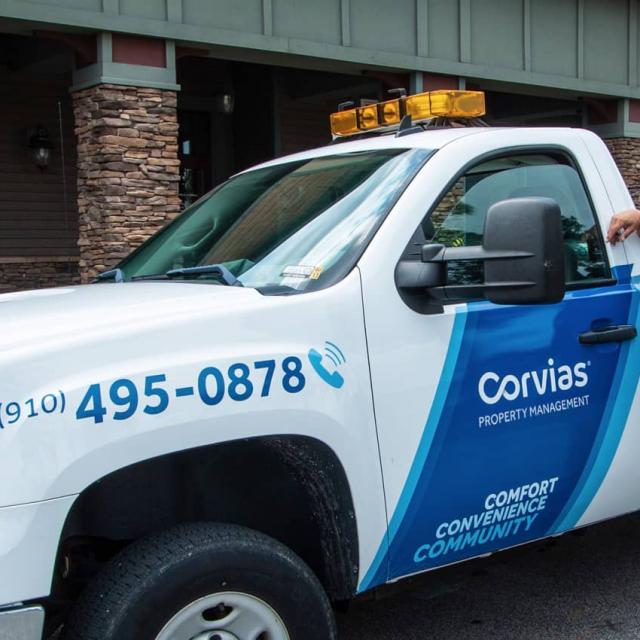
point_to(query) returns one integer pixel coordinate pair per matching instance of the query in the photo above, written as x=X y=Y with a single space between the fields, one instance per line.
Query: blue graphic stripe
x=614 y=419
x=622 y=274
x=424 y=447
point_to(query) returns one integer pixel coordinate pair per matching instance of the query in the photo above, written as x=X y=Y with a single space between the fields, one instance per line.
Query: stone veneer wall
x=128 y=170
x=17 y=274
x=626 y=153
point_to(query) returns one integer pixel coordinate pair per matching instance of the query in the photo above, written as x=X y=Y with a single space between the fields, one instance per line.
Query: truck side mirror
x=529 y=225
x=522 y=252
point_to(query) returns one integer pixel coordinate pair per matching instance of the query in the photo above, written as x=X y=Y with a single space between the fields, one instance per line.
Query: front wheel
x=204 y=582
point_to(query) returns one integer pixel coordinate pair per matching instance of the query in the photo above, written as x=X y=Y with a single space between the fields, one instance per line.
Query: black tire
x=152 y=579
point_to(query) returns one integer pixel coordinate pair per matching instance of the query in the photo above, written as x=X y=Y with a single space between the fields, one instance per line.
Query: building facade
x=115 y=114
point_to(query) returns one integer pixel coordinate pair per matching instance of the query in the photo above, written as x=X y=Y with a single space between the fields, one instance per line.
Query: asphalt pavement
x=580 y=586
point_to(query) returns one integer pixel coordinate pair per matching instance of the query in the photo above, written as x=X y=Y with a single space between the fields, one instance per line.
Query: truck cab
x=338 y=369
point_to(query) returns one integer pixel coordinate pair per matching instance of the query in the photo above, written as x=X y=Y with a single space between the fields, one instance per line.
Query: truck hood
x=183 y=345
x=67 y=316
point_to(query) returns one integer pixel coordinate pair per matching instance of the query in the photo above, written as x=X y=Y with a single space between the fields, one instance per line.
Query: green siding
x=490 y=18
x=381 y=25
x=606 y=31
x=586 y=46
x=308 y=20
x=224 y=14
x=92 y=5
x=443 y=20
x=154 y=9
x=553 y=28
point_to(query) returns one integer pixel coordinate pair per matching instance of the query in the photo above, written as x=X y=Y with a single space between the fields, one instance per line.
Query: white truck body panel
x=409 y=351
x=175 y=329
x=57 y=343
x=617 y=492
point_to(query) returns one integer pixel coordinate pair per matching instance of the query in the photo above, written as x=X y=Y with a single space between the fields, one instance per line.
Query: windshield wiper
x=116 y=275
x=214 y=269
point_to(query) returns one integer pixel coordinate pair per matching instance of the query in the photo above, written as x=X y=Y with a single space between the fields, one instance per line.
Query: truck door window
x=458 y=218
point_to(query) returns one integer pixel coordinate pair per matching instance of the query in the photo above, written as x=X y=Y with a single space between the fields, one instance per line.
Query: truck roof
x=429 y=139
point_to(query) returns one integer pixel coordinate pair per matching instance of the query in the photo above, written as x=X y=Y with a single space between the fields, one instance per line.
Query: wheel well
x=289 y=487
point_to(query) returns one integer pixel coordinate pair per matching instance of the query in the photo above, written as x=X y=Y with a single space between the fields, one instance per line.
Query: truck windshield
x=288 y=228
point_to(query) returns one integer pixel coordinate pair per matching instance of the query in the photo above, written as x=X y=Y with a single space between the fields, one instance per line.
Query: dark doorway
x=194 y=151
x=234 y=115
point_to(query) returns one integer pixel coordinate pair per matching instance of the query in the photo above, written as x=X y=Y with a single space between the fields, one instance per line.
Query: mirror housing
x=532 y=225
x=522 y=252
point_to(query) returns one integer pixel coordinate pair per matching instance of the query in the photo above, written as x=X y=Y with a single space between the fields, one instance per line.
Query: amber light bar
x=422 y=106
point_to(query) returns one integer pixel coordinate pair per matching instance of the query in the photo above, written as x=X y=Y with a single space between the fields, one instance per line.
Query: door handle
x=618 y=333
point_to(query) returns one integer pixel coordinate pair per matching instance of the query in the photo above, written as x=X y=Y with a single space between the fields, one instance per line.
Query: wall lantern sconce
x=40 y=146
x=225 y=103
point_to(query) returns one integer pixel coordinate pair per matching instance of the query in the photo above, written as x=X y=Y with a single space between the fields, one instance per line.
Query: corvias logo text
x=553 y=378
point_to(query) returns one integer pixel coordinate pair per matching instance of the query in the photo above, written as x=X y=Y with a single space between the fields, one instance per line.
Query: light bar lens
x=390 y=112
x=457 y=104
x=419 y=106
x=344 y=123
x=422 y=106
x=368 y=117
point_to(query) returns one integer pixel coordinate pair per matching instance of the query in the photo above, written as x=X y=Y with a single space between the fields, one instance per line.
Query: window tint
x=458 y=219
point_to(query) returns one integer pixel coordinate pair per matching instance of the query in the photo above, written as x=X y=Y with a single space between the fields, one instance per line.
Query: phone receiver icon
x=333 y=379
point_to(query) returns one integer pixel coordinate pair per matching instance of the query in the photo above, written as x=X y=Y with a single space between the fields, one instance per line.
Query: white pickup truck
x=337 y=369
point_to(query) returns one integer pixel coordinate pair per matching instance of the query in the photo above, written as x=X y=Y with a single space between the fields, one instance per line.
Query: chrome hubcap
x=225 y=616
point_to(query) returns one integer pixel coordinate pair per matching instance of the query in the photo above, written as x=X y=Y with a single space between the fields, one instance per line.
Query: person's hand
x=623 y=224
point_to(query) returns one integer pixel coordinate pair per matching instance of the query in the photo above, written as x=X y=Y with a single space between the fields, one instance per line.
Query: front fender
x=67 y=447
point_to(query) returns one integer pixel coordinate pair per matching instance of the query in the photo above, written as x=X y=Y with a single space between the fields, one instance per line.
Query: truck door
x=497 y=424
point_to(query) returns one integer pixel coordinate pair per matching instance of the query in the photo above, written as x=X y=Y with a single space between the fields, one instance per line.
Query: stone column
x=128 y=170
x=617 y=121
x=626 y=153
